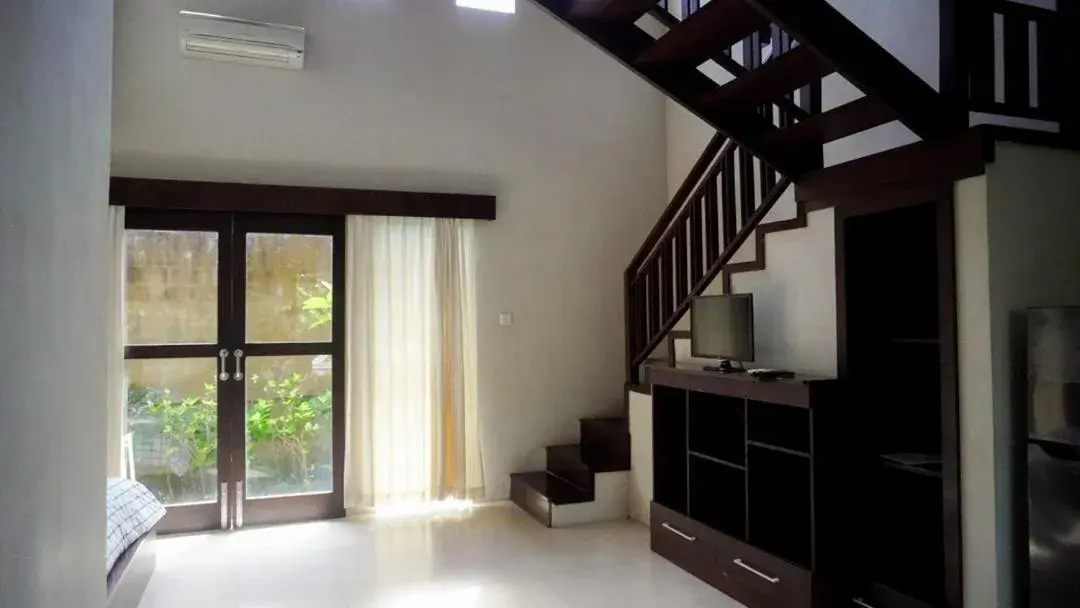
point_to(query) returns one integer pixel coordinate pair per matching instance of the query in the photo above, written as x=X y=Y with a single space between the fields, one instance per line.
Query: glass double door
x=235 y=411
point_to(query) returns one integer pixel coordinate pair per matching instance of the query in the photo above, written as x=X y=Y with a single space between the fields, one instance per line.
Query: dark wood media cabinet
x=744 y=489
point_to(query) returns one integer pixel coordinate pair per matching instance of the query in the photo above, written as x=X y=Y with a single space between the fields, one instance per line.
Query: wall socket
x=506 y=319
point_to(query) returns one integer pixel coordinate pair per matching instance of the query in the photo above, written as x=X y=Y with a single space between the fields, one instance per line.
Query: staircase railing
x=727 y=194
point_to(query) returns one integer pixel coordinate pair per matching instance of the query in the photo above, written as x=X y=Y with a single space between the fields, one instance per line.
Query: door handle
x=223 y=375
x=239 y=375
x=745 y=566
x=224 y=498
x=678 y=532
x=239 y=520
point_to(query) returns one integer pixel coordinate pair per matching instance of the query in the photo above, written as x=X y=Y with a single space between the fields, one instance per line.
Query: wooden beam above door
x=298 y=200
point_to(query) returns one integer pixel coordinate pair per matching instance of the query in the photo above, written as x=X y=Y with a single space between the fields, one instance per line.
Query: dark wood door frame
x=231 y=334
x=942 y=199
x=258 y=198
x=301 y=507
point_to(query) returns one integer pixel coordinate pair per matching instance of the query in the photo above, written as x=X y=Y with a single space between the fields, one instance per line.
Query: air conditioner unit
x=207 y=36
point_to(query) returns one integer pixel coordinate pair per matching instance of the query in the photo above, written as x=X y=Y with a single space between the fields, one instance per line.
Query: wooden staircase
x=768 y=106
x=771 y=132
x=566 y=492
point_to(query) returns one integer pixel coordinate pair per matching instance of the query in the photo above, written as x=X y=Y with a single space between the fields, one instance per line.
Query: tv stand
x=725 y=366
x=744 y=478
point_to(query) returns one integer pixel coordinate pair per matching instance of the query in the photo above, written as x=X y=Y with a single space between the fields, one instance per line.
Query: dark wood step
x=716 y=26
x=840 y=122
x=790 y=71
x=684 y=84
x=605 y=444
x=556 y=490
x=627 y=11
x=566 y=462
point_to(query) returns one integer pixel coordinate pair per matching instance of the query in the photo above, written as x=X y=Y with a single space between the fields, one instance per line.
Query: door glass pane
x=171 y=287
x=289 y=425
x=172 y=416
x=289 y=287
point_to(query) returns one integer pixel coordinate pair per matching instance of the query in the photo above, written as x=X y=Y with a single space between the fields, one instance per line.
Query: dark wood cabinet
x=741 y=495
x=897 y=346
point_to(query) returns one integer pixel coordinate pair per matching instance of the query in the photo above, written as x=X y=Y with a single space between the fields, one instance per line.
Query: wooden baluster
x=666 y=280
x=654 y=299
x=637 y=321
x=1050 y=56
x=1017 y=63
x=1067 y=91
x=747 y=193
x=981 y=54
x=730 y=220
x=696 y=252
x=782 y=41
x=768 y=178
x=712 y=223
x=681 y=288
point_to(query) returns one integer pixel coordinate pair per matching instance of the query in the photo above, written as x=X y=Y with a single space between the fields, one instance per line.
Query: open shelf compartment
x=780 y=503
x=782 y=426
x=717 y=428
x=718 y=496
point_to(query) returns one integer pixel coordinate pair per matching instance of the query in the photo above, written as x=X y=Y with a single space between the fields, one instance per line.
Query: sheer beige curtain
x=412 y=409
x=116 y=398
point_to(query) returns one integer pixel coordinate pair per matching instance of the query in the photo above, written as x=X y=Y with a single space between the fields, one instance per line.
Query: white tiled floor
x=496 y=557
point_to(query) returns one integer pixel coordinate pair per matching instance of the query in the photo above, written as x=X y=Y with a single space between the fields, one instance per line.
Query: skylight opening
x=496 y=6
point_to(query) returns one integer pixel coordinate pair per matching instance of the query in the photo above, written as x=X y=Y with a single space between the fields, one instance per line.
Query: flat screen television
x=722 y=327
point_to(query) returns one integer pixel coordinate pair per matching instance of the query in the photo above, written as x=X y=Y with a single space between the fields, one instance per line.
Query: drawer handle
x=749 y=568
x=861 y=602
x=674 y=530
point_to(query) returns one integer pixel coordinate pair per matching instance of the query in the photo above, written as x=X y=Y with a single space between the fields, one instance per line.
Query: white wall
x=977 y=481
x=1016 y=248
x=641 y=456
x=54 y=155
x=1033 y=198
x=418 y=94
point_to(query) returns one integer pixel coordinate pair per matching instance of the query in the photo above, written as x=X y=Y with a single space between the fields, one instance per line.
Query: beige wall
x=415 y=94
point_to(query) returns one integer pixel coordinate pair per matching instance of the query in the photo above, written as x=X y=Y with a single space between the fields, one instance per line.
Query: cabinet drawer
x=685 y=542
x=757 y=578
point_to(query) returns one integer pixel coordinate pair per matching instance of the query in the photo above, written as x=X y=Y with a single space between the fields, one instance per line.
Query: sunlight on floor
x=423 y=509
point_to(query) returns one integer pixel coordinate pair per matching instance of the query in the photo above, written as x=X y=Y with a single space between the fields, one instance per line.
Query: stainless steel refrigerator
x=1053 y=452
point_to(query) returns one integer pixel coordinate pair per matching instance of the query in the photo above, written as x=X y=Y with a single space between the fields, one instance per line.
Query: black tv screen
x=722 y=327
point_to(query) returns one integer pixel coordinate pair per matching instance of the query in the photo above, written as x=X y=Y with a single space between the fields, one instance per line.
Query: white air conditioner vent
x=207 y=36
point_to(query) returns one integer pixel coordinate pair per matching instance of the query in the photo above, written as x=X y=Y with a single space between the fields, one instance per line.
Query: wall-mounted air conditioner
x=207 y=36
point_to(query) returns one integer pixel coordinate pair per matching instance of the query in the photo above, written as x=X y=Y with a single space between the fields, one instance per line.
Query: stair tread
x=613 y=10
x=854 y=117
x=867 y=65
x=776 y=78
x=554 y=488
x=715 y=26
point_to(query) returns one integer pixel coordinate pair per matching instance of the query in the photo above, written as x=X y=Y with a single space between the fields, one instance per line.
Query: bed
x=131 y=518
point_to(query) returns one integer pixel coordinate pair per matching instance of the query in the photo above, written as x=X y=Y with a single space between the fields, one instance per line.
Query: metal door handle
x=222 y=356
x=224 y=498
x=751 y=569
x=674 y=530
x=239 y=521
x=858 y=601
x=239 y=375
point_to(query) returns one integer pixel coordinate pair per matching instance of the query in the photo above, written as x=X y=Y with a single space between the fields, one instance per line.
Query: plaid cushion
x=130 y=512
